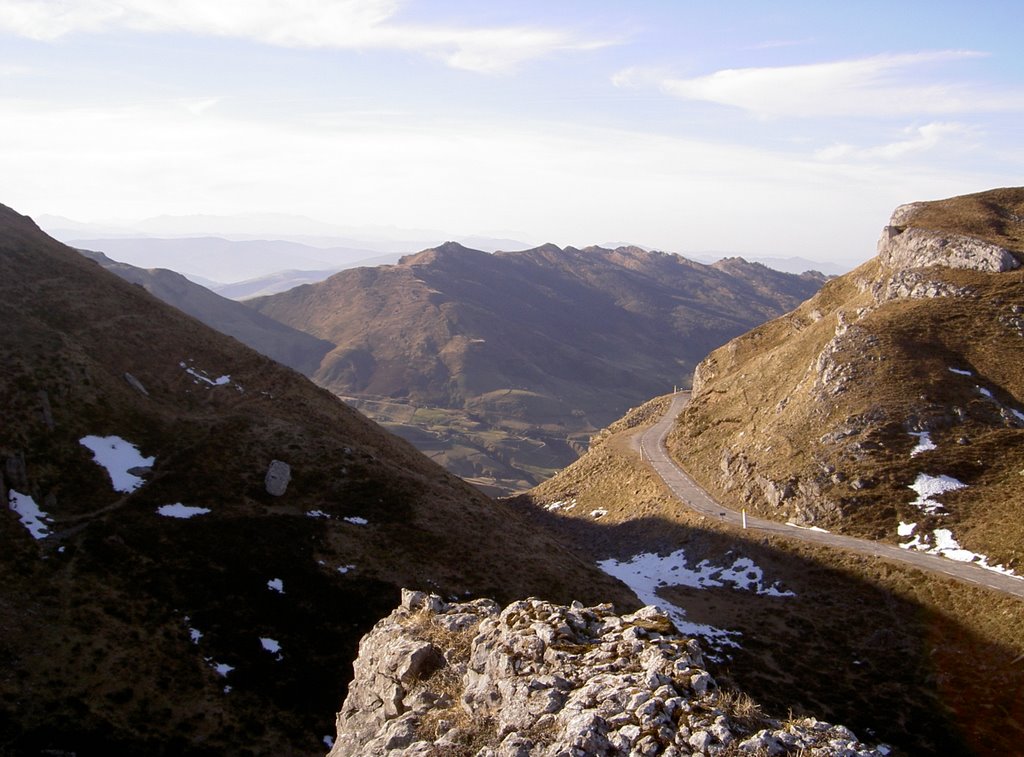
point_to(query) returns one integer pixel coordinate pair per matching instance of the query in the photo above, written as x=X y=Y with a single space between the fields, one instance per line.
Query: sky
x=758 y=128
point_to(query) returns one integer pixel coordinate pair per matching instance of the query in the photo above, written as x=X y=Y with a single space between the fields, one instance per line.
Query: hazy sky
x=784 y=128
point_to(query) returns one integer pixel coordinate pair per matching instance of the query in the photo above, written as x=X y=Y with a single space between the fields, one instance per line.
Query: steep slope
x=284 y=344
x=891 y=404
x=915 y=659
x=157 y=598
x=544 y=344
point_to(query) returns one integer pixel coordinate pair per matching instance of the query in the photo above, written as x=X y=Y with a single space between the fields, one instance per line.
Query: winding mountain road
x=653 y=451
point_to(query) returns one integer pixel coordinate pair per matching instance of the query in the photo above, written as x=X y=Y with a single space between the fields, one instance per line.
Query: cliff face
x=539 y=679
x=893 y=380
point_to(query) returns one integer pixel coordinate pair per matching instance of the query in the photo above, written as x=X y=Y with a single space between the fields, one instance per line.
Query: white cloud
x=881 y=85
x=342 y=24
x=919 y=139
x=566 y=183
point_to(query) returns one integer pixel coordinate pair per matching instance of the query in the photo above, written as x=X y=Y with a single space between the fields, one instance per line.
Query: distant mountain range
x=502 y=364
x=168 y=588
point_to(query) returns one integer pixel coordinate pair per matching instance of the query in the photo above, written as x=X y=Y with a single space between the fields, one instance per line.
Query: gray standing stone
x=278 y=476
x=135 y=384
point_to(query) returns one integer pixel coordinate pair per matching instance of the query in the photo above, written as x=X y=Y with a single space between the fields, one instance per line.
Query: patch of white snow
x=646 y=573
x=905 y=529
x=329 y=742
x=201 y=376
x=945 y=545
x=346 y=568
x=178 y=510
x=924 y=443
x=317 y=514
x=272 y=646
x=984 y=392
x=807 y=528
x=356 y=520
x=195 y=634
x=598 y=513
x=222 y=668
x=29 y=514
x=931 y=486
x=563 y=504
x=960 y=372
x=276 y=584
x=118 y=456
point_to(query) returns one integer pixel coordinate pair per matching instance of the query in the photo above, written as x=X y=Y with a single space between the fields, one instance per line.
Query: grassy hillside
x=922 y=662
x=123 y=630
x=511 y=360
x=889 y=378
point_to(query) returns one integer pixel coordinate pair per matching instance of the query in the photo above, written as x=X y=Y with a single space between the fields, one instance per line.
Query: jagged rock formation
x=539 y=679
x=892 y=377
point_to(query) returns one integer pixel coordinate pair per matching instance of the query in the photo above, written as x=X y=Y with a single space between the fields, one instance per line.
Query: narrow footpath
x=654 y=453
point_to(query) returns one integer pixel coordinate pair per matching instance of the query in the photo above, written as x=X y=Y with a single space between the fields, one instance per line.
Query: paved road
x=653 y=451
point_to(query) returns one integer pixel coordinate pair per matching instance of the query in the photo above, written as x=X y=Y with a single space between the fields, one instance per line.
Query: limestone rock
x=278 y=476
x=902 y=248
x=537 y=679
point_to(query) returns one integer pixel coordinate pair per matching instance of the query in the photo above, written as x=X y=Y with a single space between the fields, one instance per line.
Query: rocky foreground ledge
x=539 y=679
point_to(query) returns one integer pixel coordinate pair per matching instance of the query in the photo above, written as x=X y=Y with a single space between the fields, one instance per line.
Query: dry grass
x=997 y=216
x=447 y=684
x=895 y=654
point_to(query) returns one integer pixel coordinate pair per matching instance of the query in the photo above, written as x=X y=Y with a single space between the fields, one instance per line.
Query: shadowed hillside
x=920 y=661
x=157 y=598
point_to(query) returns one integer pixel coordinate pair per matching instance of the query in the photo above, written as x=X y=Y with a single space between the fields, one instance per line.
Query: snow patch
x=356 y=520
x=931 y=486
x=984 y=392
x=276 y=584
x=178 y=510
x=946 y=545
x=29 y=514
x=200 y=375
x=564 y=504
x=598 y=513
x=195 y=634
x=272 y=646
x=960 y=372
x=345 y=568
x=807 y=528
x=646 y=573
x=924 y=443
x=118 y=457
x=222 y=668
x=329 y=742
x=905 y=529
x=317 y=514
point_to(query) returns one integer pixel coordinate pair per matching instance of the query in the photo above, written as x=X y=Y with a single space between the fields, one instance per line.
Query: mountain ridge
x=544 y=345
x=178 y=602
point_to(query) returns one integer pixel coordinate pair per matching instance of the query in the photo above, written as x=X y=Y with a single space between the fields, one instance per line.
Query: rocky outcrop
x=540 y=679
x=901 y=247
